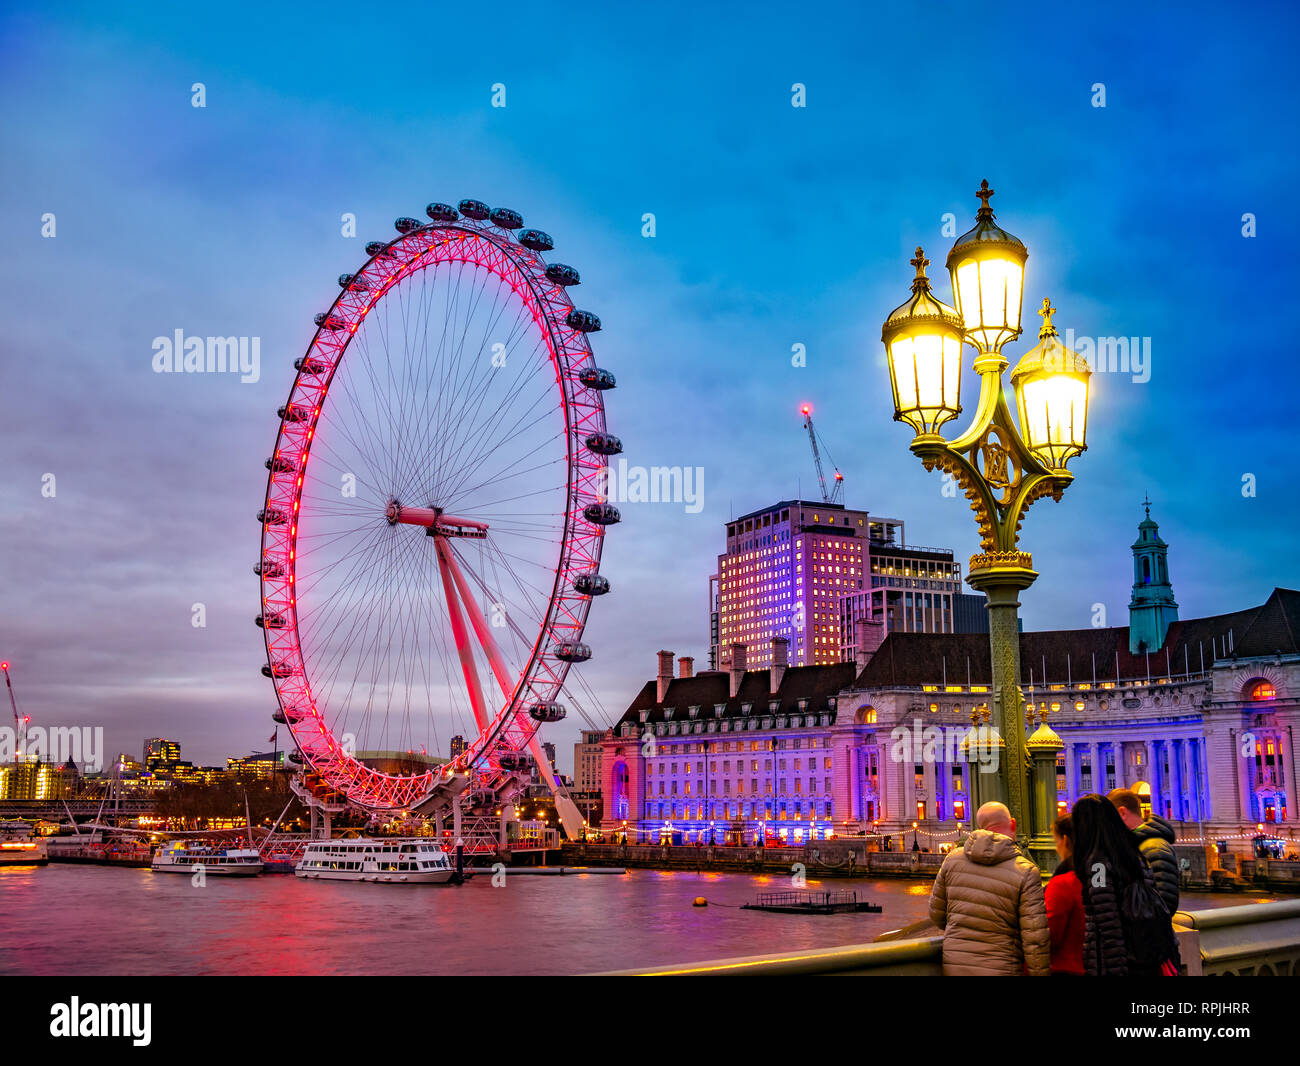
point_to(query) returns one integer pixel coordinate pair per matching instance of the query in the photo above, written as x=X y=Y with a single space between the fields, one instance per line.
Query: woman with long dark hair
x=1127 y=930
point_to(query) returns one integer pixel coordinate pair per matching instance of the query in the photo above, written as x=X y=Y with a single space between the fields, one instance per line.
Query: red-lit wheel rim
x=336 y=566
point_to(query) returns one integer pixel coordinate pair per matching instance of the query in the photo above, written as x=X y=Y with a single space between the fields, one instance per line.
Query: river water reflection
x=97 y=920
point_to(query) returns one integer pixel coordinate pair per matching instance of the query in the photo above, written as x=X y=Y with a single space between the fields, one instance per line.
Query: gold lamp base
x=1013 y=569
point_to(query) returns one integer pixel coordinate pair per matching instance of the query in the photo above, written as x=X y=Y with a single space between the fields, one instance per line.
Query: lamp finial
x=1047 y=311
x=920 y=262
x=984 y=193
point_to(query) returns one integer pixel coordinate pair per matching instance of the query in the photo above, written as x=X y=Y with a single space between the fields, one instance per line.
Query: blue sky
x=775 y=226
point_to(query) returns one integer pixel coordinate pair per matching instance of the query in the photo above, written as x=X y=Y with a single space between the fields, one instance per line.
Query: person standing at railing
x=1155 y=838
x=1065 y=914
x=988 y=900
x=1128 y=932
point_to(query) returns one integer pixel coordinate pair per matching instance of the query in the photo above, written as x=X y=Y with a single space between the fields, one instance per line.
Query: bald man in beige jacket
x=988 y=900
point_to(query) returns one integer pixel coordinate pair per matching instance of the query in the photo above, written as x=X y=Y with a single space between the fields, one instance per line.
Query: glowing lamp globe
x=923 y=340
x=987 y=265
x=1051 y=387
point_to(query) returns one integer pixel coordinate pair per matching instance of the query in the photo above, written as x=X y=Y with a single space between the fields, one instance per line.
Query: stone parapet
x=1257 y=939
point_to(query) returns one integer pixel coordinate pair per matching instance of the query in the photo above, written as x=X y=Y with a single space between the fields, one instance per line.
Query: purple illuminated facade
x=1204 y=727
x=782 y=575
x=727 y=756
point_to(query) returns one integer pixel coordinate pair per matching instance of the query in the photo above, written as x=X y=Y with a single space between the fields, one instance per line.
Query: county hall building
x=1199 y=716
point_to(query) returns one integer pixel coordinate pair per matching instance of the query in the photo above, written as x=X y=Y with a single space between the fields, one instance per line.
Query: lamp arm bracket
x=973 y=485
x=1032 y=488
x=997 y=472
x=985 y=413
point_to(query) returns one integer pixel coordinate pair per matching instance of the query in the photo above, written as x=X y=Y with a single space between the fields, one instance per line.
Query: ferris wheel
x=434 y=513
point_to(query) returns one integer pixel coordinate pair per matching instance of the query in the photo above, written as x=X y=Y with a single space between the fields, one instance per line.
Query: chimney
x=737 y=667
x=686 y=666
x=780 y=660
x=665 y=674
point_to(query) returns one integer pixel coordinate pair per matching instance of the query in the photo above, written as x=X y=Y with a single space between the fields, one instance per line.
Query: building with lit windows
x=782 y=574
x=33 y=779
x=731 y=756
x=715 y=620
x=186 y=773
x=910 y=589
x=259 y=764
x=161 y=754
x=586 y=761
x=1202 y=725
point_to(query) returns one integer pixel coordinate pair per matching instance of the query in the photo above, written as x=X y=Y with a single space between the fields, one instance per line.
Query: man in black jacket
x=1155 y=841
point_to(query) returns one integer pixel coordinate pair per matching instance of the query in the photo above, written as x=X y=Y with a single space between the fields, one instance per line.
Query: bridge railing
x=1253 y=940
x=912 y=958
x=1256 y=939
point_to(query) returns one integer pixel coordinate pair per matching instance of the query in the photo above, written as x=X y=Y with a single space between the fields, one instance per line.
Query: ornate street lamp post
x=1001 y=469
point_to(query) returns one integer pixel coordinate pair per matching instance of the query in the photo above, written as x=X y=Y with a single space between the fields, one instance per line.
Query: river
x=91 y=920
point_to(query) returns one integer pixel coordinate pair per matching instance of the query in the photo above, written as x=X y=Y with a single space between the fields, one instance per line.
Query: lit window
x=1263 y=690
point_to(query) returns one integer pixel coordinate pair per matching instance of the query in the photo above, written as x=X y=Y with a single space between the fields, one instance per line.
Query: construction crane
x=20 y=721
x=837 y=491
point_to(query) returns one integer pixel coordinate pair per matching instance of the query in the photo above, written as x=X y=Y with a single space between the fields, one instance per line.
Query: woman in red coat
x=1065 y=917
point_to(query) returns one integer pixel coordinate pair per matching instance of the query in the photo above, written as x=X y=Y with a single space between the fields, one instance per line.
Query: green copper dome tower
x=1152 y=607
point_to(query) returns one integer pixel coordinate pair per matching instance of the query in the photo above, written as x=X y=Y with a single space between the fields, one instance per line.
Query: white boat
x=18 y=847
x=412 y=861
x=178 y=858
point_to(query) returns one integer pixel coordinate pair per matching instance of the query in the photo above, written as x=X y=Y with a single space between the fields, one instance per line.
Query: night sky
x=775 y=226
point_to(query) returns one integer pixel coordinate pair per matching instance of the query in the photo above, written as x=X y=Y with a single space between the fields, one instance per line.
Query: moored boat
x=19 y=847
x=279 y=864
x=95 y=851
x=394 y=860
x=178 y=858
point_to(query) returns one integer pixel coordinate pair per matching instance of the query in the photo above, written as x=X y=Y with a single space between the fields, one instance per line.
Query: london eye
x=434 y=515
